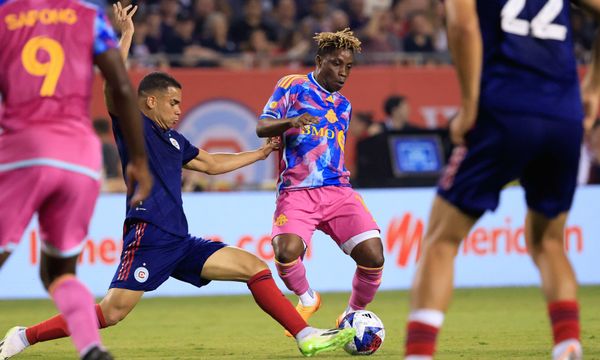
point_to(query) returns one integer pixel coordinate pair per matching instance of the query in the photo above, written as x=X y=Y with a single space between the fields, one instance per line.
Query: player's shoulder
x=342 y=98
x=289 y=81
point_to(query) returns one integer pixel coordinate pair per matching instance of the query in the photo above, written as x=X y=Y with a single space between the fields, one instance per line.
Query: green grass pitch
x=505 y=323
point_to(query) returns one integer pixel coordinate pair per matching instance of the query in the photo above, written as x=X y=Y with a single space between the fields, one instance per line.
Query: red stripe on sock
x=564 y=316
x=100 y=315
x=420 y=339
x=270 y=299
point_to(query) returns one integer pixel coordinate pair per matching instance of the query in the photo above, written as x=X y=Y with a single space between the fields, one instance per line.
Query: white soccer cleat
x=12 y=344
x=568 y=350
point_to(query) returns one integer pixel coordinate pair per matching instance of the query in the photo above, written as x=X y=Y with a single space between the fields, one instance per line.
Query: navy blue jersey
x=167 y=152
x=529 y=63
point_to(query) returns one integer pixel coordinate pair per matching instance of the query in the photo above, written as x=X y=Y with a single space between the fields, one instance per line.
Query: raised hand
x=124 y=17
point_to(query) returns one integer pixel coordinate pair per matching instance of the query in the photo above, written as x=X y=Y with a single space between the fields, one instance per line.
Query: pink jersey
x=48 y=49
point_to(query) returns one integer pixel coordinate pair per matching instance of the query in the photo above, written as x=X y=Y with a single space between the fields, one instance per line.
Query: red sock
x=268 y=296
x=564 y=316
x=55 y=328
x=420 y=339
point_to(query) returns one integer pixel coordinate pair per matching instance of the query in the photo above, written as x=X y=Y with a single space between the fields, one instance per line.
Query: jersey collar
x=311 y=77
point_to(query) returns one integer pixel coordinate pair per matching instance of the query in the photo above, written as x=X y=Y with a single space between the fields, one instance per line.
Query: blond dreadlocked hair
x=344 y=39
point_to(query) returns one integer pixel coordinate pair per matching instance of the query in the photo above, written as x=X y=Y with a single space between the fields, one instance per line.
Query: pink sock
x=76 y=304
x=294 y=276
x=364 y=286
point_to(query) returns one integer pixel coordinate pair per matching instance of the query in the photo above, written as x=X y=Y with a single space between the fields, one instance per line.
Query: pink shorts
x=64 y=201
x=338 y=211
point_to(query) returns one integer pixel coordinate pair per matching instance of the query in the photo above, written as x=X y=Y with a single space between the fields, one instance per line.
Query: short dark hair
x=392 y=102
x=157 y=81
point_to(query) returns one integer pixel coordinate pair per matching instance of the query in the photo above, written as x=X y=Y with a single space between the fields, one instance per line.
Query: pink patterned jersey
x=313 y=156
x=48 y=49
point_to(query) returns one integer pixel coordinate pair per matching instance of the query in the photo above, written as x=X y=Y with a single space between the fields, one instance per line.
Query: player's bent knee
x=369 y=253
x=113 y=316
x=287 y=249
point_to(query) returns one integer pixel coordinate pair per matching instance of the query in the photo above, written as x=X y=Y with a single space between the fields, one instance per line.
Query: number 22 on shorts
x=51 y=69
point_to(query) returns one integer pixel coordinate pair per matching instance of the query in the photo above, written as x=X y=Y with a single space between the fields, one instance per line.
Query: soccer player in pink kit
x=50 y=158
x=314 y=190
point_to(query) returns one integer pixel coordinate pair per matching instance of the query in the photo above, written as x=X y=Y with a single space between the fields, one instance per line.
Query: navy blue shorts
x=542 y=153
x=150 y=255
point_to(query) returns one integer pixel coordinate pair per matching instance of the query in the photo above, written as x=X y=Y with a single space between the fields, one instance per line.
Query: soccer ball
x=369 y=332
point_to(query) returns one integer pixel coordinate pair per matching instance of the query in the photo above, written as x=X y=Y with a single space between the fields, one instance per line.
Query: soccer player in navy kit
x=520 y=117
x=156 y=243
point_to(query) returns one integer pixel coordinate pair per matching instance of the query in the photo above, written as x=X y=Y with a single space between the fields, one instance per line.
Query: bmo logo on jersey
x=141 y=274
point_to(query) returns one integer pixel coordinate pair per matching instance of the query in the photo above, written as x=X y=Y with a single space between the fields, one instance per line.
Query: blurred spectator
x=285 y=20
x=440 y=38
x=260 y=51
x=111 y=164
x=155 y=38
x=362 y=126
x=202 y=10
x=215 y=35
x=378 y=35
x=339 y=20
x=397 y=110
x=583 y=34
x=396 y=31
x=356 y=12
x=419 y=37
x=169 y=11
x=252 y=19
x=317 y=20
x=593 y=144
x=190 y=51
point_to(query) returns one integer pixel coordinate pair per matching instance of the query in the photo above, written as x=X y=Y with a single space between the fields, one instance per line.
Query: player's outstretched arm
x=466 y=47
x=123 y=23
x=125 y=106
x=275 y=127
x=220 y=163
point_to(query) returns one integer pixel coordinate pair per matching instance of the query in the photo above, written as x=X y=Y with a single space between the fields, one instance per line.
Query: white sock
x=307 y=331
x=418 y=357
x=23 y=337
x=430 y=317
x=562 y=346
x=308 y=298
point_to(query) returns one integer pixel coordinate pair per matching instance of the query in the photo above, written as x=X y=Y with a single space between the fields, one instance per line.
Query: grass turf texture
x=505 y=323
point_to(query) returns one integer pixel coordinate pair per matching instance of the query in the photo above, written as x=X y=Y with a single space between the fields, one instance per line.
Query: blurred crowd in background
x=255 y=34
x=266 y=33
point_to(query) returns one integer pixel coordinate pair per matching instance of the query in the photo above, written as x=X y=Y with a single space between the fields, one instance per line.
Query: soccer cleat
x=96 y=353
x=307 y=311
x=571 y=352
x=12 y=344
x=325 y=340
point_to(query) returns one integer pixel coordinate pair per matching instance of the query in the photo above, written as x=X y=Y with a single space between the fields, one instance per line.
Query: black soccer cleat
x=97 y=354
